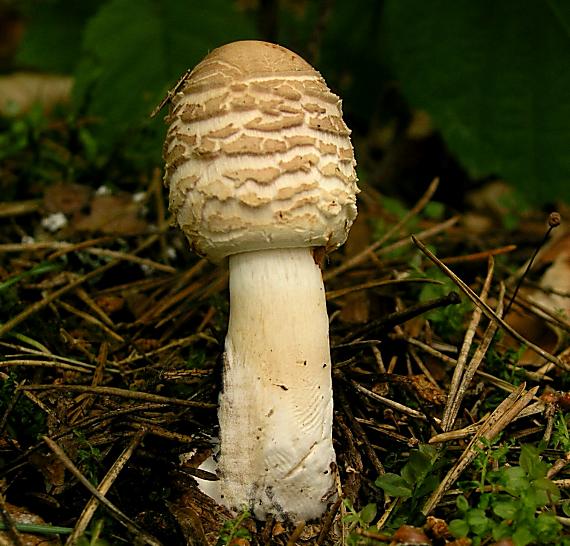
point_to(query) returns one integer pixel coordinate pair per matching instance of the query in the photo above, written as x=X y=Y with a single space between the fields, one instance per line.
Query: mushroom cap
x=258 y=155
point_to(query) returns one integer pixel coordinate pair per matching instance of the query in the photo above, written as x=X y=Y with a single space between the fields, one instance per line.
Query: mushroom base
x=276 y=407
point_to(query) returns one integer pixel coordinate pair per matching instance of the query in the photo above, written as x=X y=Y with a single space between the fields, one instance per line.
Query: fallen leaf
x=24 y=89
x=110 y=304
x=113 y=215
x=66 y=198
x=554 y=282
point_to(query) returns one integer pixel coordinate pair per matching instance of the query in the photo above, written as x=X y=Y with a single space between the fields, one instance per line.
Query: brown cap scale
x=261 y=169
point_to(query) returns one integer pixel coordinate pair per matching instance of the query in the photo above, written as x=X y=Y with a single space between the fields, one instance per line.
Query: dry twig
x=489 y=313
x=505 y=412
x=140 y=533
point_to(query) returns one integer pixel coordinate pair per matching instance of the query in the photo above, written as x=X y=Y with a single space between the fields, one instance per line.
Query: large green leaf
x=53 y=32
x=342 y=41
x=133 y=50
x=495 y=76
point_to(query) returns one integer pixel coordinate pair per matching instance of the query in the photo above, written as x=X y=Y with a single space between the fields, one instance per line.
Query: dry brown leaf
x=24 y=89
x=554 y=281
x=110 y=304
x=66 y=198
x=113 y=215
x=556 y=277
x=52 y=469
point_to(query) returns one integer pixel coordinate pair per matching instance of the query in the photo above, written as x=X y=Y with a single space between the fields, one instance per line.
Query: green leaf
x=462 y=503
x=394 y=485
x=351 y=518
x=523 y=536
x=505 y=509
x=53 y=33
x=484 y=501
x=534 y=498
x=477 y=520
x=426 y=486
x=544 y=484
x=547 y=527
x=502 y=530
x=368 y=513
x=531 y=462
x=418 y=466
x=495 y=79
x=134 y=50
x=516 y=480
x=458 y=528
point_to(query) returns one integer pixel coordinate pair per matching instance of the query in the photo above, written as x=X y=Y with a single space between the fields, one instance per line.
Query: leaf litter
x=111 y=338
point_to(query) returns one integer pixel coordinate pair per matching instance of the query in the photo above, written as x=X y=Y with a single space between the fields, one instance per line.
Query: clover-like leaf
x=394 y=485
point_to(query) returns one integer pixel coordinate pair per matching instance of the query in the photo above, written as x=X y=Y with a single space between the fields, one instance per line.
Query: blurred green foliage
x=493 y=77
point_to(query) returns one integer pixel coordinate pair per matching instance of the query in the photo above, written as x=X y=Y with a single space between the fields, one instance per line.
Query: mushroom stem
x=276 y=453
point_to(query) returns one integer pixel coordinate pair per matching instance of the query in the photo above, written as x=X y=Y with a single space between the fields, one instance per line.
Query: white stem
x=276 y=453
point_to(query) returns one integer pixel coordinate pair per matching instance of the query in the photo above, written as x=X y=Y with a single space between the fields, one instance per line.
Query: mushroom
x=261 y=169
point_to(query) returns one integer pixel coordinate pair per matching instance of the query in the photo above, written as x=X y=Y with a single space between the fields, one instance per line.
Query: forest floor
x=451 y=402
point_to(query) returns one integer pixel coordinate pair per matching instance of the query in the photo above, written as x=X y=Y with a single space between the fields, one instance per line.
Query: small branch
x=479 y=256
x=368 y=449
x=328 y=521
x=296 y=534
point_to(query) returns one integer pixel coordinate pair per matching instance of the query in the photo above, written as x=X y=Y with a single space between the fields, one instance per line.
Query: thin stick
x=553 y=221
x=42 y=364
x=491 y=427
x=90 y=319
x=128 y=257
x=362 y=436
x=333 y=294
x=52 y=245
x=478 y=256
x=121 y=393
x=9 y=523
x=113 y=510
x=296 y=534
x=424 y=369
x=488 y=312
x=452 y=405
x=328 y=521
x=104 y=486
x=390 y=403
x=476 y=360
x=502 y=384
